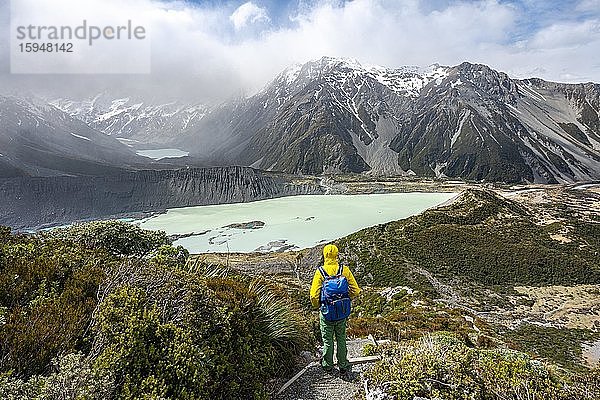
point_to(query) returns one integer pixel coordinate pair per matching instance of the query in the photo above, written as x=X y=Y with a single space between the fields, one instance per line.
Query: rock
x=30 y=202
x=176 y=236
x=246 y=225
x=276 y=245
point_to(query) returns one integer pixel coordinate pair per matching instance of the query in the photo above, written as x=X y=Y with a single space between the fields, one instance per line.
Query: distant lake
x=159 y=154
x=296 y=222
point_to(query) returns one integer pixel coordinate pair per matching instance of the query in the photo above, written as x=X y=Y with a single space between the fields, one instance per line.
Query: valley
x=498 y=278
x=465 y=201
x=492 y=257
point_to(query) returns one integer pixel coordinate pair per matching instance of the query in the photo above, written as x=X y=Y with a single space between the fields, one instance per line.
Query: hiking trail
x=316 y=384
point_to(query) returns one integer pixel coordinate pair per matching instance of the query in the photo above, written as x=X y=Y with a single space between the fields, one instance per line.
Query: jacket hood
x=330 y=253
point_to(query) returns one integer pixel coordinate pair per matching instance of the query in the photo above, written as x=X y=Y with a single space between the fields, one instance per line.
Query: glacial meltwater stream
x=294 y=222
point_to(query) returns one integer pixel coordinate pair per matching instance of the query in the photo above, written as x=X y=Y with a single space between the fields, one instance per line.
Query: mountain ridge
x=37 y=139
x=38 y=202
x=331 y=116
x=132 y=120
x=336 y=116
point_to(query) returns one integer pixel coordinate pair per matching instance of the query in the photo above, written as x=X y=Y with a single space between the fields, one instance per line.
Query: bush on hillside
x=82 y=307
x=48 y=293
x=482 y=239
x=441 y=366
x=72 y=377
x=117 y=237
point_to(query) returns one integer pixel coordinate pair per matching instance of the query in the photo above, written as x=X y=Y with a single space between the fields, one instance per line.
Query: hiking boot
x=347 y=375
x=346 y=370
x=328 y=370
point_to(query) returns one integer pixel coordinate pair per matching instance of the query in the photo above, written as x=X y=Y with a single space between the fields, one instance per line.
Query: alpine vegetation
x=84 y=316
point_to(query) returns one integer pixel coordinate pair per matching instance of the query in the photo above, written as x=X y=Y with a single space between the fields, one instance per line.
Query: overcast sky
x=211 y=50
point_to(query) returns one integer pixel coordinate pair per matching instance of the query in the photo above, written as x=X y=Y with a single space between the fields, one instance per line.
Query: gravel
x=318 y=385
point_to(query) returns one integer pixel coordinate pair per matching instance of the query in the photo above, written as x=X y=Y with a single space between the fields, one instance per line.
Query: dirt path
x=316 y=384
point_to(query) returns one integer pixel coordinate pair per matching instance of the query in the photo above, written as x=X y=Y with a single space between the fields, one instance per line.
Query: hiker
x=332 y=288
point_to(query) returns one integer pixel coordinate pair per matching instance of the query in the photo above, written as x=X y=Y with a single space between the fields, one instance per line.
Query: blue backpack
x=335 y=299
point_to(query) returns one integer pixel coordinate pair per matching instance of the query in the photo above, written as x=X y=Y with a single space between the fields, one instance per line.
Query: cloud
x=589 y=5
x=377 y=32
x=566 y=35
x=247 y=14
x=212 y=51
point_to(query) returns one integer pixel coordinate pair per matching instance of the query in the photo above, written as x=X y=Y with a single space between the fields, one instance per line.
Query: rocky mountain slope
x=38 y=139
x=337 y=116
x=29 y=202
x=467 y=121
x=133 y=122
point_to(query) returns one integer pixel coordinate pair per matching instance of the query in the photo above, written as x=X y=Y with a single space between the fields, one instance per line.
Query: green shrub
x=118 y=237
x=508 y=374
x=72 y=378
x=4 y=234
x=431 y=367
x=48 y=292
x=228 y=338
x=130 y=307
x=150 y=358
x=442 y=366
x=584 y=386
x=170 y=257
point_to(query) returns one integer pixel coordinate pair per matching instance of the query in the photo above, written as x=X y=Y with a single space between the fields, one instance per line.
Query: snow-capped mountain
x=470 y=121
x=38 y=139
x=407 y=80
x=334 y=116
x=133 y=121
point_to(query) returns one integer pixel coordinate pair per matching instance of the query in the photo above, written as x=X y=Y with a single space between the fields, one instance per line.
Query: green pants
x=328 y=331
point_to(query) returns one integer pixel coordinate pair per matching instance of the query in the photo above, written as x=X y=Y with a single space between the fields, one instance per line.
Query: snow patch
x=513 y=108
x=159 y=154
x=438 y=169
x=291 y=74
x=459 y=130
x=456 y=83
x=478 y=132
x=80 y=137
x=407 y=81
x=256 y=164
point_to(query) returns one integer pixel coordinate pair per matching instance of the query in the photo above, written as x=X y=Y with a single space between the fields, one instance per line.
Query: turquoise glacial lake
x=288 y=223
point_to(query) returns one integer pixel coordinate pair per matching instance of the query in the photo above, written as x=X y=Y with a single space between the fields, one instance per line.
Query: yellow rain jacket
x=331 y=266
